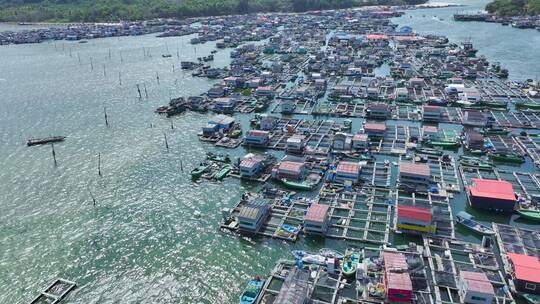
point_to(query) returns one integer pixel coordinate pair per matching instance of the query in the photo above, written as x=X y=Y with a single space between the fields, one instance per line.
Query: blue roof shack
x=220 y=123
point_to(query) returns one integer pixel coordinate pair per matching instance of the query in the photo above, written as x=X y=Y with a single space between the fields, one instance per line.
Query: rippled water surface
x=140 y=242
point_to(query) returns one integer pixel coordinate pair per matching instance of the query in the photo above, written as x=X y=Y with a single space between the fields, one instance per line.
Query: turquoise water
x=141 y=242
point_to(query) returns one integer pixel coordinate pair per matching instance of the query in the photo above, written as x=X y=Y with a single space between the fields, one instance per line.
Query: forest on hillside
x=514 y=7
x=115 y=10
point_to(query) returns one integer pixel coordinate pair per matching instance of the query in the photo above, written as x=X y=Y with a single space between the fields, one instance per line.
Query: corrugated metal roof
x=249 y=163
x=527 y=268
x=257 y=133
x=290 y=166
x=477 y=281
x=490 y=188
x=375 y=127
x=414 y=169
x=360 y=137
x=350 y=168
x=394 y=261
x=399 y=281
x=317 y=213
x=415 y=213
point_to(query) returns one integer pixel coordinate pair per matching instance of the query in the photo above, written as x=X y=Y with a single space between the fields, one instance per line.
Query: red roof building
x=316 y=219
x=317 y=213
x=348 y=171
x=375 y=130
x=475 y=287
x=526 y=272
x=291 y=170
x=415 y=213
x=414 y=177
x=415 y=219
x=492 y=195
x=397 y=281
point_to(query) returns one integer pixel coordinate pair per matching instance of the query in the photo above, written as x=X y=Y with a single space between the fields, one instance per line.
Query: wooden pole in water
x=166 y=142
x=172 y=126
x=145 y=91
x=104 y=71
x=106 y=117
x=173 y=68
x=181 y=166
x=109 y=53
x=99 y=164
x=54 y=155
x=144 y=52
x=139 y=90
x=91 y=64
x=91 y=194
x=79 y=57
x=120 y=77
x=157 y=77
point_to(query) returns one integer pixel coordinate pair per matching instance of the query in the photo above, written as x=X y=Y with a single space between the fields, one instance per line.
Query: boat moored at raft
x=301 y=185
x=199 y=171
x=529 y=214
x=506 y=157
x=252 y=291
x=350 y=263
x=468 y=221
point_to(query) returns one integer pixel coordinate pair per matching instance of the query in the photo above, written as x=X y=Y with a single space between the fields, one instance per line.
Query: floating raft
x=447 y=258
x=42 y=141
x=55 y=292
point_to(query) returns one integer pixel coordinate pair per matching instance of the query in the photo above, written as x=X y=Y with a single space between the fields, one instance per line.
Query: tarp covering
x=295 y=287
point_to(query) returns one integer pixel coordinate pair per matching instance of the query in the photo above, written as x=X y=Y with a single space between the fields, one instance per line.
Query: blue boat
x=250 y=294
x=468 y=221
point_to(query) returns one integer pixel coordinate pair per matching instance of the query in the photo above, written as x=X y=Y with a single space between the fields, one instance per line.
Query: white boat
x=310 y=258
x=330 y=253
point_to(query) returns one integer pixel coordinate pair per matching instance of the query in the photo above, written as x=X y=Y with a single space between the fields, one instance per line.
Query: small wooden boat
x=221 y=174
x=468 y=221
x=251 y=292
x=166 y=55
x=302 y=185
x=528 y=105
x=530 y=214
x=495 y=131
x=235 y=134
x=199 y=171
x=507 y=158
x=350 y=263
x=444 y=144
x=477 y=152
x=476 y=162
x=428 y=151
x=331 y=253
x=218 y=157
x=309 y=258
x=46 y=140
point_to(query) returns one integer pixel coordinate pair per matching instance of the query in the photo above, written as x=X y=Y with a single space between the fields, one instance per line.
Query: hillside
x=514 y=7
x=114 y=10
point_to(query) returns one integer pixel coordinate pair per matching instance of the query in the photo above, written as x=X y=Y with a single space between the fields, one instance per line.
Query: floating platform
x=447 y=258
x=55 y=292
